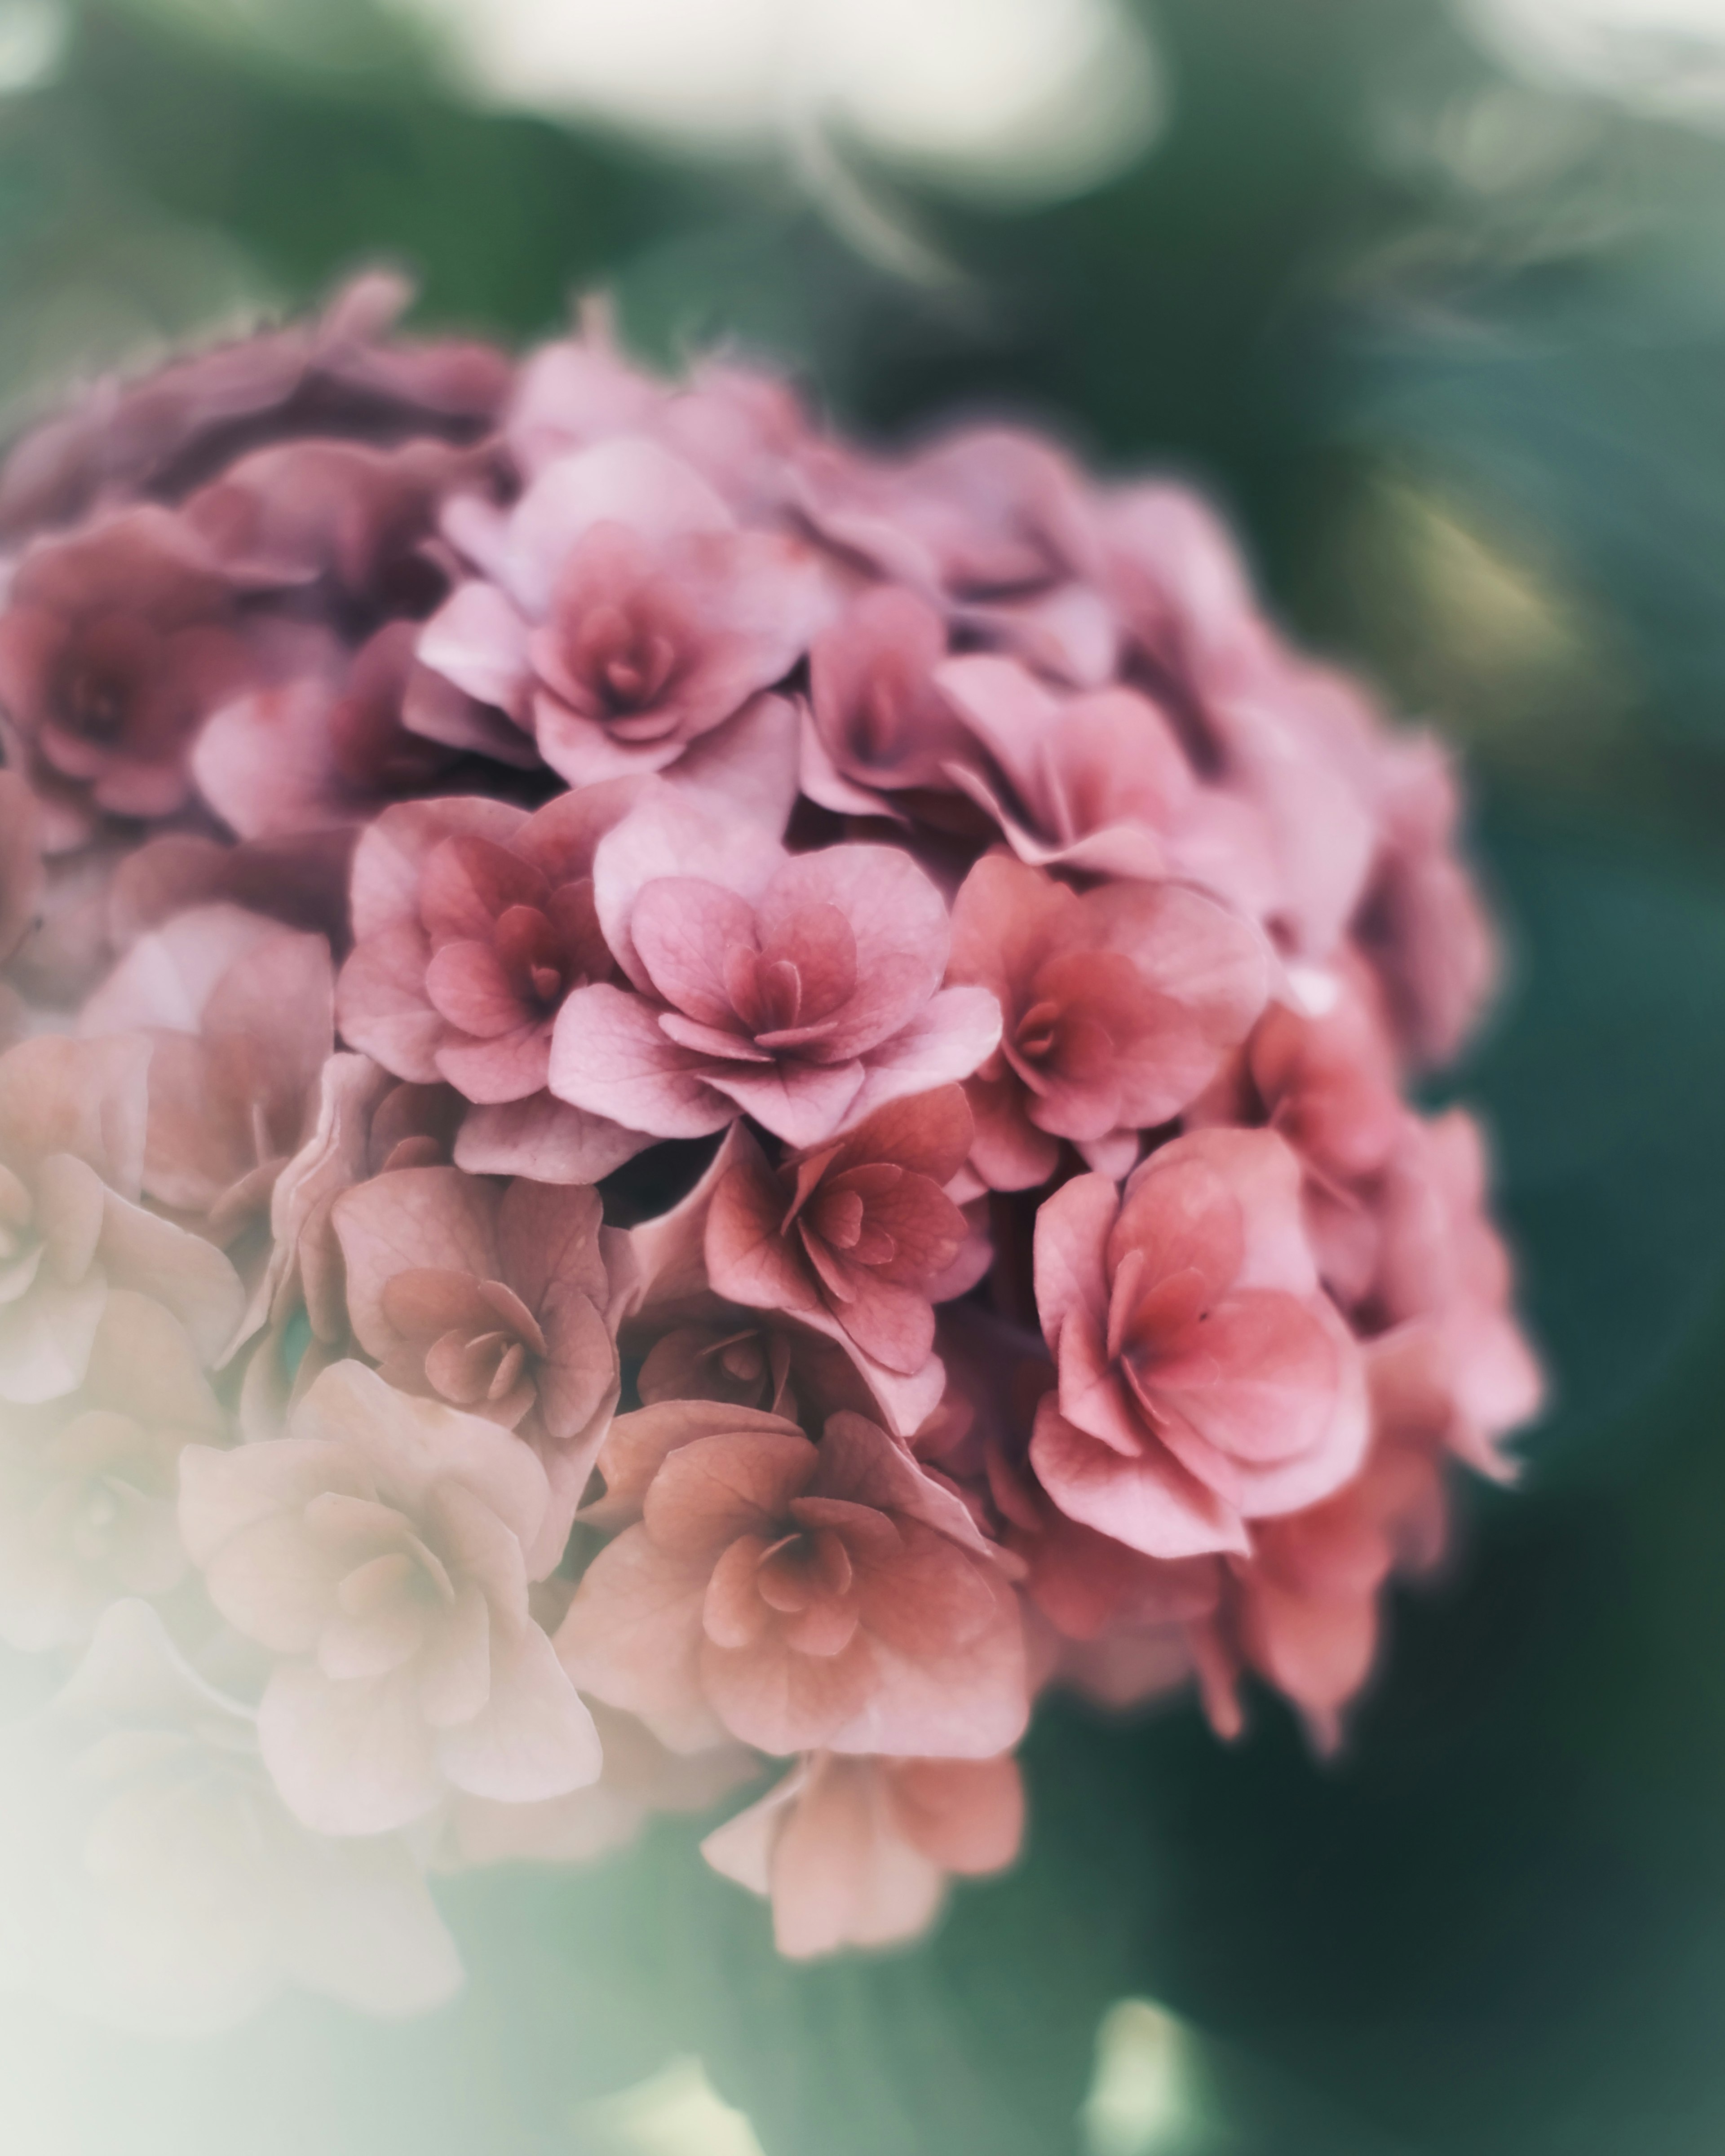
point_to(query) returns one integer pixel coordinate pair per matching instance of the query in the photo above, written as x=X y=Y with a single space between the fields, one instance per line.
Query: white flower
x=151 y=1875
x=377 y=1552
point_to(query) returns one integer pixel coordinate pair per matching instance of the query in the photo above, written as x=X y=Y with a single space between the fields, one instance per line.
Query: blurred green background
x=1433 y=298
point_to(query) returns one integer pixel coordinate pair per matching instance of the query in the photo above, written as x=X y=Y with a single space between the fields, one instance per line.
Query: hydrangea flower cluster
x=684 y=1111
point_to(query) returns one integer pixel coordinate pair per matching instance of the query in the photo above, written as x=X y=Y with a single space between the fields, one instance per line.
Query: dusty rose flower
x=1305 y=1613
x=579 y=390
x=115 y=642
x=69 y=939
x=1104 y=1617
x=857 y=1852
x=300 y=879
x=1324 y=1077
x=72 y=1125
x=473 y=923
x=1205 y=1379
x=859 y=1233
x=753 y=1359
x=1295 y=742
x=322 y=747
x=1098 y=784
x=87 y=1484
x=626 y=616
x=1419 y=922
x=792 y=1594
x=152 y=1876
x=367 y=1123
x=1117 y=1007
x=876 y=725
x=364 y=518
x=1457 y=1361
x=324 y=607
x=503 y=1302
x=160 y=435
x=239 y=1013
x=805 y=990
x=1002 y=513
x=377 y=1553
x=697 y=1345
x=740 y=427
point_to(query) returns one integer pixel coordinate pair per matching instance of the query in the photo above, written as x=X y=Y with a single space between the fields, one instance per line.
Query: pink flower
x=1205 y=1379
x=501 y=1301
x=367 y=1124
x=1419 y=922
x=702 y=1346
x=628 y=615
x=1295 y=742
x=87 y=1484
x=1105 y=1618
x=1453 y=1363
x=322 y=747
x=377 y=1555
x=1001 y=513
x=240 y=1015
x=805 y=991
x=876 y=725
x=794 y=1595
x=1117 y=1007
x=70 y=937
x=857 y=1852
x=1304 y=1611
x=859 y=1233
x=161 y=435
x=300 y=879
x=1325 y=1079
x=363 y=517
x=473 y=922
x=753 y=1359
x=73 y=1117
x=1098 y=784
x=115 y=644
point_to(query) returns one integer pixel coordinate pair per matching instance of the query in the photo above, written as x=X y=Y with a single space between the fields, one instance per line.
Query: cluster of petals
x=682 y=1109
x=379 y=1554
x=793 y=1594
x=801 y=989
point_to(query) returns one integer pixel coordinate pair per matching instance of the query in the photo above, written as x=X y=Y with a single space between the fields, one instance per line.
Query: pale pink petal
x=609 y=1057
x=545 y=1138
x=478 y=640
x=349 y=1756
x=533 y=1738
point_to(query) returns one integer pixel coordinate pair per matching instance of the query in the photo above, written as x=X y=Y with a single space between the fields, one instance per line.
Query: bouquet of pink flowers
x=683 y=1110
